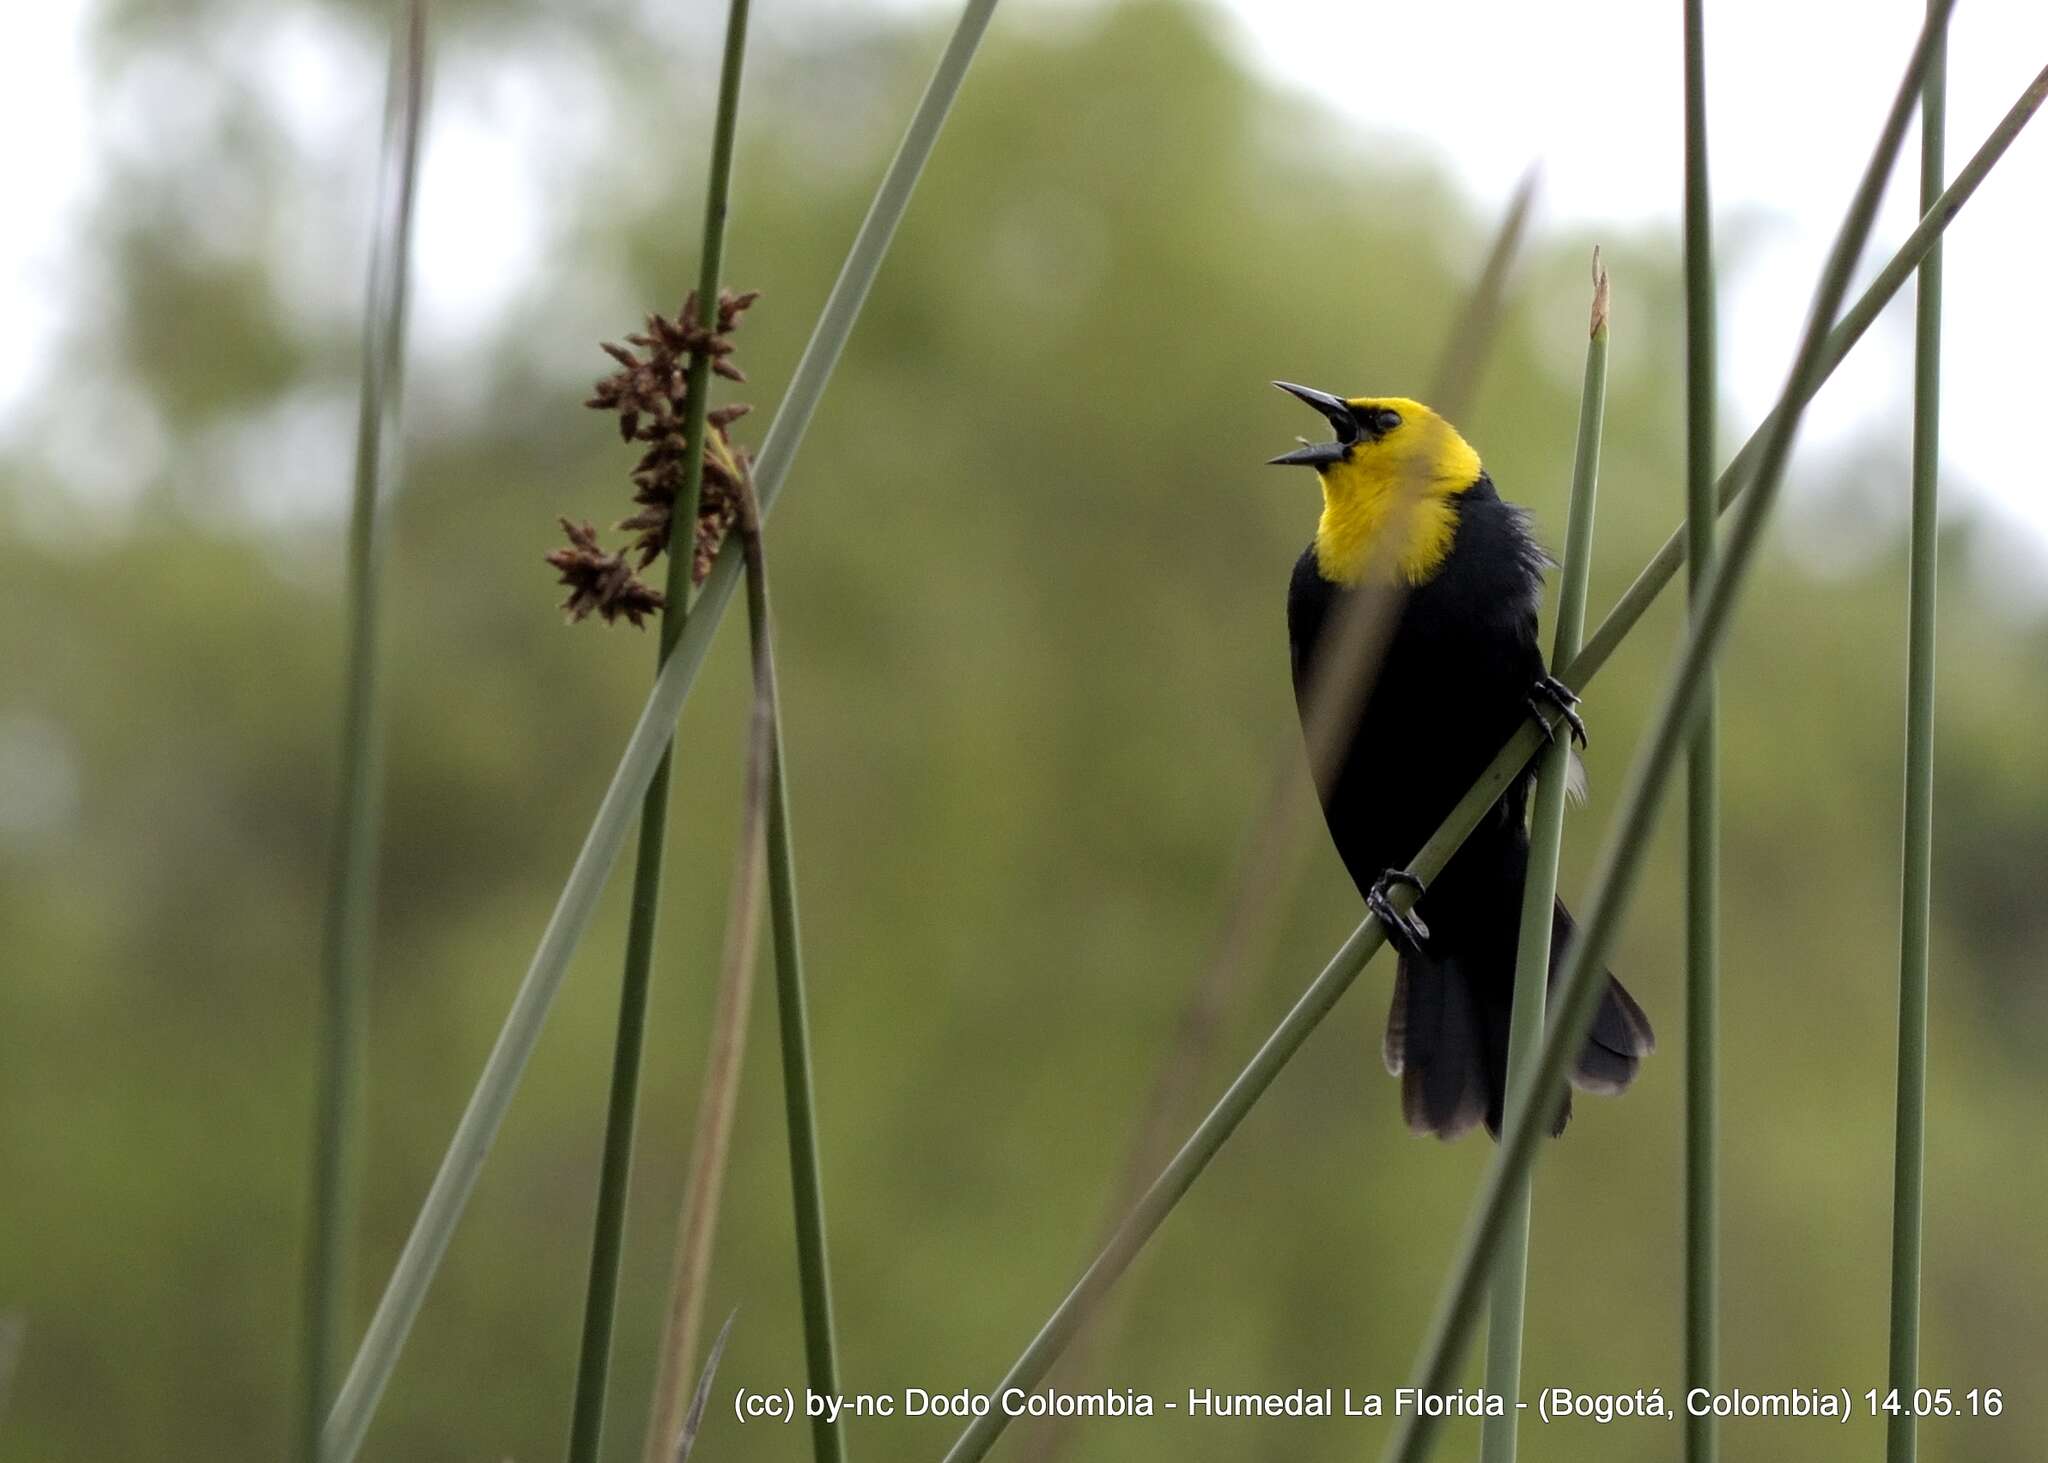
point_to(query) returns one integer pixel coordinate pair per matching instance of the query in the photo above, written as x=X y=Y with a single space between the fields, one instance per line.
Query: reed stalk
x=615 y=1170
x=1539 y=890
x=377 y=1357
x=1703 y=778
x=1917 y=853
x=349 y=925
x=806 y=1178
x=1584 y=978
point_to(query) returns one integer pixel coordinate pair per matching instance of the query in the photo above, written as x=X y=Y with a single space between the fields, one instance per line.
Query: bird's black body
x=1452 y=687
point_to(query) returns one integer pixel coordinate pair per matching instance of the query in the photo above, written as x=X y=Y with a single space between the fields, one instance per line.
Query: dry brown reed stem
x=711 y=1146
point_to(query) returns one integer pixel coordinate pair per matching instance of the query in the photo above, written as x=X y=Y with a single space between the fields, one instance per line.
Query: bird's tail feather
x=1447 y=1037
x=1621 y=1036
x=1435 y=1044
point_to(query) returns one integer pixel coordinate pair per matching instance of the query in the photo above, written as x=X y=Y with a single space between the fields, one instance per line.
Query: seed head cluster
x=649 y=393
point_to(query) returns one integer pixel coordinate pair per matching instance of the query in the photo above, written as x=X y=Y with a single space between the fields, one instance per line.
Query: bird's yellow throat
x=1390 y=507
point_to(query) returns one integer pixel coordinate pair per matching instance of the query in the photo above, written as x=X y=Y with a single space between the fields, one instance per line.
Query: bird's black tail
x=1447 y=1035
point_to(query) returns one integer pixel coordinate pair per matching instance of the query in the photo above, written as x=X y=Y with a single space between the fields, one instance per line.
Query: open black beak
x=1320 y=454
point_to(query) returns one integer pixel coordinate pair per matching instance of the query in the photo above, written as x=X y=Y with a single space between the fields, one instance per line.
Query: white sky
x=1484 y=87
x=43 y=171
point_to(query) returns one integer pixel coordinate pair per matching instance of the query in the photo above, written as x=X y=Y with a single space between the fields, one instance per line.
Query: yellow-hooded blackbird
x=1404 y=496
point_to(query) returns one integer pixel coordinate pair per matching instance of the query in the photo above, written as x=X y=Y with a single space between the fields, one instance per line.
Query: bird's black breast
x=1451 y=687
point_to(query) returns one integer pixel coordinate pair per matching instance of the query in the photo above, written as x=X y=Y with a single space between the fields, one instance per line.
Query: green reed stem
x=1703 y=778
x=377 y=1357
x=1323 y=993
x=1539 y=892
x=807 y=1186
x=1584 y=979
x=615 y=1173
x=1917 y=871
x=346 y=939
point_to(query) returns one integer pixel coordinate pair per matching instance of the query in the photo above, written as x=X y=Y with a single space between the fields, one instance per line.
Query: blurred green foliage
x=1030 y=585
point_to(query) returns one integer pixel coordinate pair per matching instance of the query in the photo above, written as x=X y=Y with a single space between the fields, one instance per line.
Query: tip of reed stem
x=686 y=1440
x=1599 y=324
x=1525 y=186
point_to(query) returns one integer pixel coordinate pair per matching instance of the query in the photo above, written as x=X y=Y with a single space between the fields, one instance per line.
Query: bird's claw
x=1406 y=930
x=1563 y=699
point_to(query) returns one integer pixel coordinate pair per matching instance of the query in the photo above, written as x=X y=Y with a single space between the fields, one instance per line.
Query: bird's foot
x=1550 y=690
x=1405 y=930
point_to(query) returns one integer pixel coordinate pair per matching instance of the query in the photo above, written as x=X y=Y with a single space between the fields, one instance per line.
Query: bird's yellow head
x=1391 y=480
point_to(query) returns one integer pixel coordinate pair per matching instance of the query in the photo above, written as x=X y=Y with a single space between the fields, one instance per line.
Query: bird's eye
x=1384 y=421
